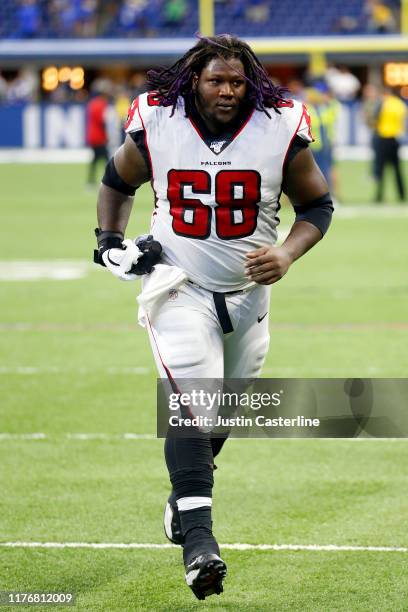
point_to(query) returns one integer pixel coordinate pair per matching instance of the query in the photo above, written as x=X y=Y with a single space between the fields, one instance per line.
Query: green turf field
x=75 y=362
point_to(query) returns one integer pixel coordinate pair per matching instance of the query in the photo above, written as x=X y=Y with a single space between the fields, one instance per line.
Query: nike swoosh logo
x=112 y=262
x=262 y=318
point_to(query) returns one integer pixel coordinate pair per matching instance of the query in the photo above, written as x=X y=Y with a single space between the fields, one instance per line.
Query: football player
x=219 y=143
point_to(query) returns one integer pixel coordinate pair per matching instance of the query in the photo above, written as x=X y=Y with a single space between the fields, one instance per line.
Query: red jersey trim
x=166 y=369
x=133 y=107
x=172 y=382
x=307 y=117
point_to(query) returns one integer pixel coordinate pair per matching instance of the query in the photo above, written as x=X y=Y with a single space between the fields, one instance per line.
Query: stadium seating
x=138 y=18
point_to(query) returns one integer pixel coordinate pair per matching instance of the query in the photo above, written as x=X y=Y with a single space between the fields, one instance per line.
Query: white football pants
x=198 y=334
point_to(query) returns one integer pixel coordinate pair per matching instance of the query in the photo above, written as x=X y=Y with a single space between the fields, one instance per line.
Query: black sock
x=196 y=526
x=190 y=465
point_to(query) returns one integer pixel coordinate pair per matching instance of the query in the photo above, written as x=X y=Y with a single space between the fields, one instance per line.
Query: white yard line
x=85 y=436
x=32 y=370
x=44 y=156
x=144 y=371
x=77 y=436
x=104 y=436
x=54 y=269
x=237 y=546
x=23 y=436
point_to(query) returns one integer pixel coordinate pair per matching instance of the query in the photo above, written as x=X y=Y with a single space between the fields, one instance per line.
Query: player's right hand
x=126 y=259
x=121 y=261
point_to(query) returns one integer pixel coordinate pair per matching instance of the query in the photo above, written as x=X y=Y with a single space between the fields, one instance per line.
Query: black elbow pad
x=112 y=179
x=318 y=212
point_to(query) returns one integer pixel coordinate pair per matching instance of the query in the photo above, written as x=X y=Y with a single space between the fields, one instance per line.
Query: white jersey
x=217 y=201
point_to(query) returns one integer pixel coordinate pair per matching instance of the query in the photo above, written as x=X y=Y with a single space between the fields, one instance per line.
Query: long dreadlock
x=170 y=83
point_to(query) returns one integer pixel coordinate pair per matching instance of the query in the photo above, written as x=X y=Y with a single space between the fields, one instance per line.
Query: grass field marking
x=236 y=546
x=104 y=436
x=318 y=372
x=23 y=436
x=23 y=326
x=53 y=269
x=32 y=370
x=45 y=156
x=142 y=371
x=371 y=211
x=89 y=436
x=78 y=436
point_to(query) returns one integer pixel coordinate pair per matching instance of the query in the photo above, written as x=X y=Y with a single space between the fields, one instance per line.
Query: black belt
x=221 y=307
x=222 y=311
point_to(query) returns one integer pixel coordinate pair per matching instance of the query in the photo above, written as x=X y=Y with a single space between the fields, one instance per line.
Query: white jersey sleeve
x=305 y=126
x=297 y=118
x=141 y=112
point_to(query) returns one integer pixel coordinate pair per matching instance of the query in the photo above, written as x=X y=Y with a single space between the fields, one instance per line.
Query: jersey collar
x=217 y=143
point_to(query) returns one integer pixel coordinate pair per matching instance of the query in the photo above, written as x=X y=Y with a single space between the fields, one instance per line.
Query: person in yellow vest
x=313 y=99
x=390 y=127
x=329 y=109
x=323 y=110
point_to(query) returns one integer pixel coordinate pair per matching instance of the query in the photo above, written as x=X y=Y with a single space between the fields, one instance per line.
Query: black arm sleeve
x=140 y=141
x=297 y=145
x=318 y=212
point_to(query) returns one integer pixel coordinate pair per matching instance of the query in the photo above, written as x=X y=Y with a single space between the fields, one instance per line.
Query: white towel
x=156 y=288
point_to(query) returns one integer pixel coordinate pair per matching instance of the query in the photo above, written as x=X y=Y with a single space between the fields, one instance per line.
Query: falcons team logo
x=217 y=145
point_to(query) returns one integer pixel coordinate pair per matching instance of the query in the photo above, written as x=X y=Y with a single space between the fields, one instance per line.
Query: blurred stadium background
x=77 y=417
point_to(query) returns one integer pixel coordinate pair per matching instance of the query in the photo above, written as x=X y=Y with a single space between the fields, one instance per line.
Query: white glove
x=119 y=261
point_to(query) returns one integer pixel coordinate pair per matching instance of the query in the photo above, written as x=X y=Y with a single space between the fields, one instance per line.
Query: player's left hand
x=267 y=265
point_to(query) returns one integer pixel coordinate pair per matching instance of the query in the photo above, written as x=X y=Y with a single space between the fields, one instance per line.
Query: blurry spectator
x=63 y=94
x=96 y=126
x=122 y=104
x=175 y=12
x=64 y=14
x=3 y=88
x=25 y=87
x=297 y=89
x=329 y=109
x=236 y=9
x=320 y=144
x=29 y=19
x=323 y=109
x=390 y=127
x=344 y=85
x=346 y=24
x=371 y=104
x=380 y=18
x=130 y=12
x=257 y=11
x=86 y=18
x=107 y=17
x=73 y=17
x=137 y=83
